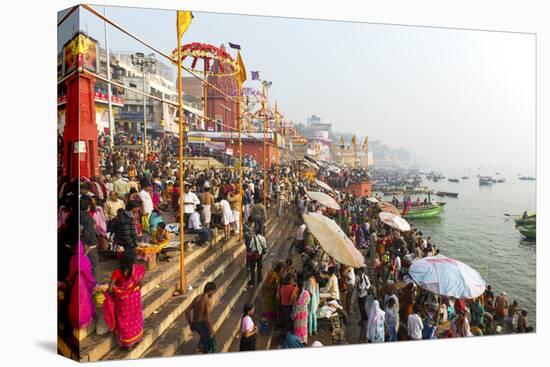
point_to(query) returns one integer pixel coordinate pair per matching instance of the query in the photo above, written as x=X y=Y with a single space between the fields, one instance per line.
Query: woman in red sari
x=122 y=307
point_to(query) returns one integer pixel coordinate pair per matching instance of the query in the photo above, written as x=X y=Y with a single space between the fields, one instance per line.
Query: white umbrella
x=323 y=185
x=323 y=199
x=394 y=221
x=389 y=208
x=447 y=277
x=333 y=240
x=373 y=200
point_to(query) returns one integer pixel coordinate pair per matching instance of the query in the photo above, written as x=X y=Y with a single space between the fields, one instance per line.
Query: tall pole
x=366 y=153
x=181 y=198
x=109 y=90
x=241 y=193
x=265 y=158
x=204 y=95
x=144 y=66
x=276 y=141
x=355 y=155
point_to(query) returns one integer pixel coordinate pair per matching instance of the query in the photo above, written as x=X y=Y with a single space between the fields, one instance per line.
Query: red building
x=222 y=123
x=218 y=107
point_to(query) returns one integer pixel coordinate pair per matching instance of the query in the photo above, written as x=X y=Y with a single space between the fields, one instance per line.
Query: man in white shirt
x=146 y=200
x=414 y=325
x=350 y=283
x=195 y=226
x=362 y=285
x=190 y=201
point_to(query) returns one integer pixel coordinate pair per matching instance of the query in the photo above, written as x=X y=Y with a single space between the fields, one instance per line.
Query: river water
x=473 y=229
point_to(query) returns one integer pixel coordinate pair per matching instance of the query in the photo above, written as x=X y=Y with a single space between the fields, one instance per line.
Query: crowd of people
x=130 y=203
x=132 y=199
x=391 y=306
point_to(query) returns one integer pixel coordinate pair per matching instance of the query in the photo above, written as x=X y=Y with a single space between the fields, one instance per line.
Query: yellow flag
x=183 y=21
x=353 y=140
x=366 y=142
x=242 y=69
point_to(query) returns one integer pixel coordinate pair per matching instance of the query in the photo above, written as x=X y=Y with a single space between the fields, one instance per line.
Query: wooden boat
x=527 y=178
x=440 y=193
x=452 y=194
x=425 y=211
x=529 y=232
x=530 y=220
x=453 y=180
x=501 y=180
x=465 y=177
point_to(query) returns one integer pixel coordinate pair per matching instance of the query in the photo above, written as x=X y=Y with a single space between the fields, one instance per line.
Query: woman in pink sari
x=81 y=282
x=300 y=312
x=122 y=306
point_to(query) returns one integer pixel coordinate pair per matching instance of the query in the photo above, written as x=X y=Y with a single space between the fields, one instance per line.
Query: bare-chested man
x=200 y=321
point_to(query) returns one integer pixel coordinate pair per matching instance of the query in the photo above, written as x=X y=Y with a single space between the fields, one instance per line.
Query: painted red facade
x=218 y=107
x=80 y=132
x=360 y=188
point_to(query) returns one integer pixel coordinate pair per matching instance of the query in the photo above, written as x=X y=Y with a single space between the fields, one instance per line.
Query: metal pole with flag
x=342 y=150
x=182 y=23
x=366 y=147
x=354 y=142
x=264 y=108
x=276 y=141
x=241 y=77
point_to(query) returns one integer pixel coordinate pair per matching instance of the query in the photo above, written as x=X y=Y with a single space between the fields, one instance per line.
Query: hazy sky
x=457 y=99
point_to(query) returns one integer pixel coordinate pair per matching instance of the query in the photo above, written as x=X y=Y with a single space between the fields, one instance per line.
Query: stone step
x=230 y=333
x=178 y=332
x=95 y=346
x=157 y=288
x=179 y=338
x=264 y=339
x=157 y=323
x=69 y=345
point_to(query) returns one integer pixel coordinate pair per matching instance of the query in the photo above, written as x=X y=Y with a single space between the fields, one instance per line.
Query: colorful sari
x=122 y=309
x=300 y=315
x=81 y=283
x=269 y=292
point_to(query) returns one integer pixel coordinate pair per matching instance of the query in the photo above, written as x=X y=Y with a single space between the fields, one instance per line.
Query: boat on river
x=454 y=180
x=485 y=180
x=424 y=211
x=529 y=232
x=452 y=194
x=527 y=178
x=530 y=220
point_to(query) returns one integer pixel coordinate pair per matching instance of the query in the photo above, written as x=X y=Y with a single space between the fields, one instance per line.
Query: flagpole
x=181 y=196
x=241 y=193
x=276 y=141
x=205 y=96
x=265 y=158
x=355 y=152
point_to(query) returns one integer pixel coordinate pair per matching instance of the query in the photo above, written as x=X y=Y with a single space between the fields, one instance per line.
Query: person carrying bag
x=258 y=248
